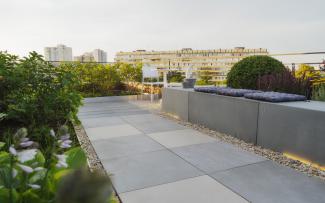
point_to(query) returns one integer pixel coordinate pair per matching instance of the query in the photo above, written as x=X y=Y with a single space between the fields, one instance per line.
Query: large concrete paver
x=269 y=182
x=107 y=132
x=216 y=156
x=162 y=126
x=103 y=121
x=142 y=118
x=201 y=189
x=179 y=138
x=125 y=146
x=148 y=169
x=99 y=114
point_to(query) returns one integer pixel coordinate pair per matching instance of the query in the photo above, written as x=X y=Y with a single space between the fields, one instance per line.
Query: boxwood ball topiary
x=245 y=73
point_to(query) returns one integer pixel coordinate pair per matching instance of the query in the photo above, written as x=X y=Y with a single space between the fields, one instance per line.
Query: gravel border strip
x=267 y=153
x=93 y=160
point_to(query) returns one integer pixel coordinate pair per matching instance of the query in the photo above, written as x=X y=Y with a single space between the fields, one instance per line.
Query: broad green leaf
x=38 y=176
x=5 y=197
x=2 y=116
x=60 y=174
x=5 y=178
x=4 y=158
x=76 y=158
x=31 y=196
x=2 y=144
x=40 y=158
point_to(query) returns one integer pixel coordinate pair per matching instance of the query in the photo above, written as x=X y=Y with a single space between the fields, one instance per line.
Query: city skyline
x=279 y=26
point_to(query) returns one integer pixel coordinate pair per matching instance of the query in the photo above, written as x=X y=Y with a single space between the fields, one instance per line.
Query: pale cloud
x=116 y=25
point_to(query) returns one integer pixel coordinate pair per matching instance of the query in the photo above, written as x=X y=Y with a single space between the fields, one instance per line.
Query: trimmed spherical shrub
x=245 y=73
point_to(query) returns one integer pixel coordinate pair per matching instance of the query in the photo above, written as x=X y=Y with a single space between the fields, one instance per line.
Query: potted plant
x=189 y=80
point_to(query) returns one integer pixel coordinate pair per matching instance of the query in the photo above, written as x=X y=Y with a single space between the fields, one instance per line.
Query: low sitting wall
x=297 y=127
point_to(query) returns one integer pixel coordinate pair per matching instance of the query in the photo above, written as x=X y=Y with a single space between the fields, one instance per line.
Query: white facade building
x=100 y=56
x=58 y=53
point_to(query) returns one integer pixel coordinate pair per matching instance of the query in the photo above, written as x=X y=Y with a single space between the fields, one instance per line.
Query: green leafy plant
x=175 y=77
x=245 y=73
x=35 y=94
x=103 y=80
x=319 y=92
x=28 y=175
x=205 y=78
x=307 y=72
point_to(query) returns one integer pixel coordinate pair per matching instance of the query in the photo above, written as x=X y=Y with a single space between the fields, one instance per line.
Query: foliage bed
x=105 y=80
x=38 y=150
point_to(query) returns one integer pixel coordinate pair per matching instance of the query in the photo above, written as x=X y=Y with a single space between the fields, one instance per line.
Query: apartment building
x=58 y=53
x=97 y=55
x=86 y=57
x=100 y=56
x=216 y=62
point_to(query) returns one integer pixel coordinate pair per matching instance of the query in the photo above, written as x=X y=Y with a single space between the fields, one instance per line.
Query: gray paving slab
x=148 y=169
x=112 y=114
x=161 y=126
x=216 y=156
x=107 y=132
x=107 y=107
x=269 y=182
x=103 y=121
x=125 y=146
x=201 y=189
x=179 y=138
x=142 y=118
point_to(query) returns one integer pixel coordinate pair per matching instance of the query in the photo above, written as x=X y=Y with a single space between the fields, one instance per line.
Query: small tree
x=129 y=72
x=306 y=71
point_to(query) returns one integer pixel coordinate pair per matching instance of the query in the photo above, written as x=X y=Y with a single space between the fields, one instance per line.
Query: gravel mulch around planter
x=269 y=154
x=94 y=162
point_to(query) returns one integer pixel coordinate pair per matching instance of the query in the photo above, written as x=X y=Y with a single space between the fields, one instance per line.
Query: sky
x=281 y=26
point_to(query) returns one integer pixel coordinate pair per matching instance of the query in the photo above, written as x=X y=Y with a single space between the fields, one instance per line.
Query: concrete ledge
x=294 y=130
x=233 y=116
x=297 y=128
x=175 y=101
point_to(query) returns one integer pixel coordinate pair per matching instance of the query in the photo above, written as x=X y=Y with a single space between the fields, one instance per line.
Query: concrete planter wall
x=233 y=116
x=175 y=102
x=291 y=129
x=297 y=127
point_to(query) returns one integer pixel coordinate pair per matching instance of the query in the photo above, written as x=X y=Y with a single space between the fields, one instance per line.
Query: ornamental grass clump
x=319 y=92
x=285 y=82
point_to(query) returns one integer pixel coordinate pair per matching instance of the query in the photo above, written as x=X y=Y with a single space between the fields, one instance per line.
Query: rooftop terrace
x=156 y=159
